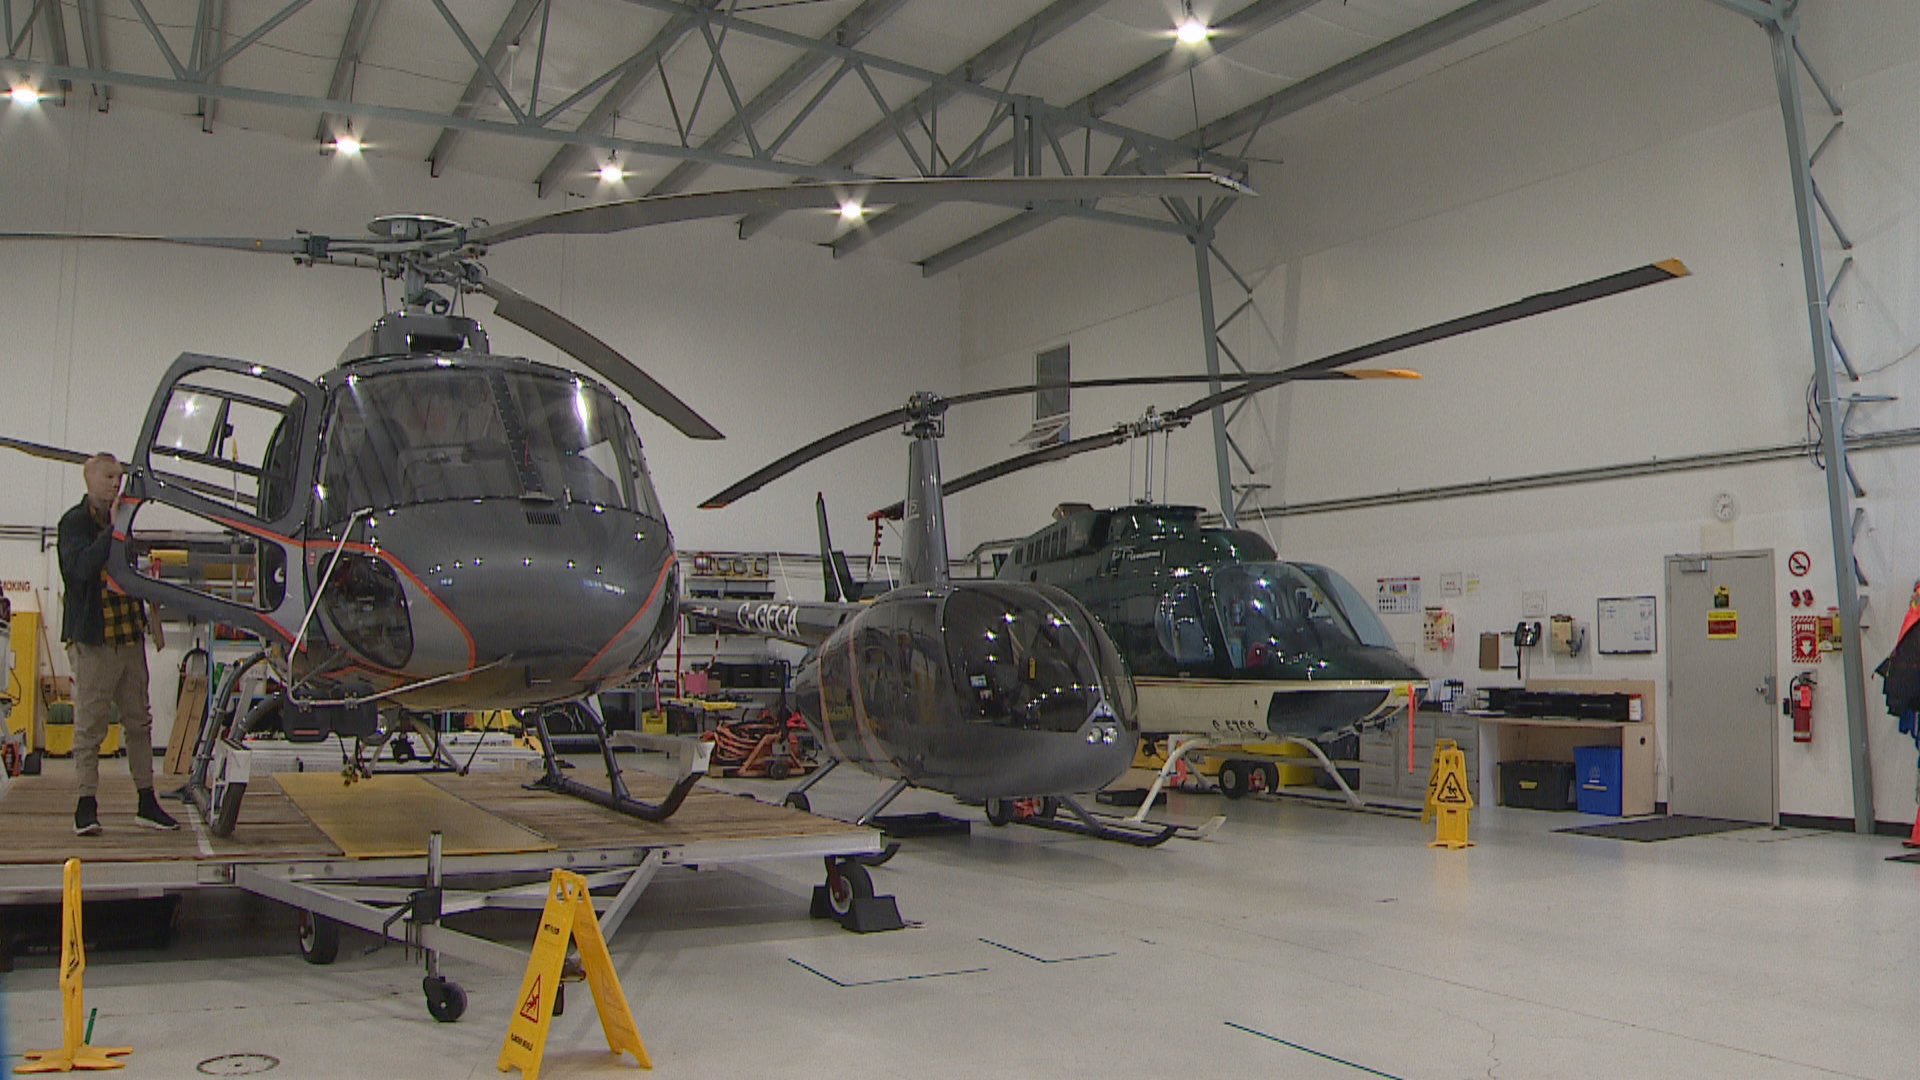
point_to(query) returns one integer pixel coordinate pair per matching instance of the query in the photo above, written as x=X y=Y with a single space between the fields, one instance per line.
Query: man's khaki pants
x=105 y=675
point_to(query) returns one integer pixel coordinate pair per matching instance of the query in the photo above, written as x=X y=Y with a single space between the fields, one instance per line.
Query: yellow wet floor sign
x=1447 y=795
x=568 y=918
x=74 y=1053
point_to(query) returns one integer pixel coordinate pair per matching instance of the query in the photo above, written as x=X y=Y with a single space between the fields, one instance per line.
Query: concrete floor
x=1299 y=941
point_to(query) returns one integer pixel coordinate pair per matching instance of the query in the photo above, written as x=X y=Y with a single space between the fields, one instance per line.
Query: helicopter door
x=220 y=486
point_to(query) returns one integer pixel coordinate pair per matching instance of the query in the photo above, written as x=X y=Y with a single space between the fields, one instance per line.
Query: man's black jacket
x=83 y=557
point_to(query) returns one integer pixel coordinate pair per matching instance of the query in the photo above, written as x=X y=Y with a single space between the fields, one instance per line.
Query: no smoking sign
x=1799 y=563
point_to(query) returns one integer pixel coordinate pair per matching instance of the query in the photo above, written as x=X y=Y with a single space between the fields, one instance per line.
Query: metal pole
x=1781 y=32
x=1210 y=340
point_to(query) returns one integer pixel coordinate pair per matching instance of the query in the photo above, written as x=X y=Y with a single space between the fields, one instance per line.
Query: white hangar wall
x=1632 y=131
x=772 y=341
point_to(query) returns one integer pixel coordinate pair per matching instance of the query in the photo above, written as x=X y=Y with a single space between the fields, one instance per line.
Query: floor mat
x=392 y=815
x=1647 y=830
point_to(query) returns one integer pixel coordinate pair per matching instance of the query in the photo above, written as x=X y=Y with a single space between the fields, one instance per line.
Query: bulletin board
x=1627 y=624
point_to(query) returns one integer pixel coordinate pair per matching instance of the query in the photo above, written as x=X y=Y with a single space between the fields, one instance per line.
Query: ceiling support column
x=1210 y=341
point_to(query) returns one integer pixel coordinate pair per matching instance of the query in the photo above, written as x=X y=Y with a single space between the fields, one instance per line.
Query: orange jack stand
x=74 y=1053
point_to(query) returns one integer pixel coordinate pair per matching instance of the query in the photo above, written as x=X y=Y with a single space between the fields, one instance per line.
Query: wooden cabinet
x=1539 y=738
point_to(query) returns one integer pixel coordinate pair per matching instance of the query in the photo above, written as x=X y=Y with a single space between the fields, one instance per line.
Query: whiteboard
x=1627 y=624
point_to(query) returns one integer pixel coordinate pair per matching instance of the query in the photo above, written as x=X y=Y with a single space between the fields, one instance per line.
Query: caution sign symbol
x=530 y=1008
x=1453 y=791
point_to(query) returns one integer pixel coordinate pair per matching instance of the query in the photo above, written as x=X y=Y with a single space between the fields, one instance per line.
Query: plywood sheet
x=392 y=815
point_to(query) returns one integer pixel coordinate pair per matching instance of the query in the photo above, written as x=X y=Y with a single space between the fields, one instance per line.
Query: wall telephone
x=1526 y=635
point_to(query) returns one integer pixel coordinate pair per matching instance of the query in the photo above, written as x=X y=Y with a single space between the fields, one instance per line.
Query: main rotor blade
x=1015 y=190
x=1056 y=452
x=1538 y=304
x=557 y=330
x=297 y=246
x=1328 y=366
x=853 y=433
x=51 y=453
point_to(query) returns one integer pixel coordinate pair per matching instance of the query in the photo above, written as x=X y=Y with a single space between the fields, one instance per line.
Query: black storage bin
x=1537 y=785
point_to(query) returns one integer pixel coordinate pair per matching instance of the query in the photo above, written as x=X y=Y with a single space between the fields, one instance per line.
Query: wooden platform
x=37 y=813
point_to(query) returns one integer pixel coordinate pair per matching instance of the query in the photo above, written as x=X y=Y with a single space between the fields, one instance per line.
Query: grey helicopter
x=939 y=683
x=401 y=527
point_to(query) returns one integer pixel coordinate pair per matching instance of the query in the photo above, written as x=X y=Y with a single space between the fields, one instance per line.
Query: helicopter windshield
x=1274 y=611
x=1023 y=662
x=440 y=434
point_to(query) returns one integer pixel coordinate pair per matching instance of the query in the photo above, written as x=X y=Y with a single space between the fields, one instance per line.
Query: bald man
x=105 y=632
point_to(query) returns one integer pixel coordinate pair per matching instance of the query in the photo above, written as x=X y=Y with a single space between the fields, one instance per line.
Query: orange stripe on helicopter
x=620 y=633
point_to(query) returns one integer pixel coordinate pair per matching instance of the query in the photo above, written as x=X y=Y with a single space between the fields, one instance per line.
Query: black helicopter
x=430 y=525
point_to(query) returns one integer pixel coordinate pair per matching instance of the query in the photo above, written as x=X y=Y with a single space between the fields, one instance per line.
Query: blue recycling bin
x=1596 y=772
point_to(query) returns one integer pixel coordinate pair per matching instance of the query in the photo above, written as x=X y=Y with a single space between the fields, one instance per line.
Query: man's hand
x=159 y=634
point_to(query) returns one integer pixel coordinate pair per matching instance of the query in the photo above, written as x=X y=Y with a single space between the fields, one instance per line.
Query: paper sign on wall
x=1398 y=596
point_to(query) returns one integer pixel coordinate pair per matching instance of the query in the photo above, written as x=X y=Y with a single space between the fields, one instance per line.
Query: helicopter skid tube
x=1121 y=830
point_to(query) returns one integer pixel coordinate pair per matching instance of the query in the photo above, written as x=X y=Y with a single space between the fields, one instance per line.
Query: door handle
x=1769 y=689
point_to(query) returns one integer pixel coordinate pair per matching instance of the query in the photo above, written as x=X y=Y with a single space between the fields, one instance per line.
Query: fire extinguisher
x=1799 y=705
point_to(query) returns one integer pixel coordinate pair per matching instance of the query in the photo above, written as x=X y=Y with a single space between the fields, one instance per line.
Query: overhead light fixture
x=851 y=211
x=611 y=172
x=347 y=143
x=1192 y=31
x=25 y=95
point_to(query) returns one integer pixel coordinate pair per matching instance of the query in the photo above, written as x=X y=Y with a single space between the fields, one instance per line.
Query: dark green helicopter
x=1222 y=636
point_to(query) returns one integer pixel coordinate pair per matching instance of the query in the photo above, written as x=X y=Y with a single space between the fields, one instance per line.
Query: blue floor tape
x=1308 y=1050
x=877 y=982
x=1039 y=960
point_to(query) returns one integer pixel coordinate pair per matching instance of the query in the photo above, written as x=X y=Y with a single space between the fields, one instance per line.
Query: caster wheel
x=999 y=811
x=445 y=1000
x=1269 y=777
x=777 y=769
x=318 y=938
x=846 y=882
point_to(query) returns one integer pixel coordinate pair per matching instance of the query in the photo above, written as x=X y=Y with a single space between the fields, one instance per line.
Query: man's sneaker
x=86 y=817
x=150 y=814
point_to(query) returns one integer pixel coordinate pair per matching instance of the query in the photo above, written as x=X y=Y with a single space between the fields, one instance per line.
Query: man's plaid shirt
x=126 y=617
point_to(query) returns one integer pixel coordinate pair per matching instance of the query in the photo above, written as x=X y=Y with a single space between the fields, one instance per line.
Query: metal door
x=1722 y=700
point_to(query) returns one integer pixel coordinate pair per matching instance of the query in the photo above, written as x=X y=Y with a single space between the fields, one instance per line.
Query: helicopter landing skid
x=689 y=756
x=1121 y=830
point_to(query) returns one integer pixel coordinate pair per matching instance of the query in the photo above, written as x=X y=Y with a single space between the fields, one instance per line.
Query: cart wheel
x=777 y=769
x=1049 y=807
x=999 y=811
x=445 y=1000
x=1233 y=779
x=1270 y=776
x=846 y=882
x=318 y=938
x=798 y=800
x=229 y=812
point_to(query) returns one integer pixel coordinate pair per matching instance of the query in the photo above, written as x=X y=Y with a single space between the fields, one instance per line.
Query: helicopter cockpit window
x=1270 y=612
x=1354 y=607
x=577 y=435
x=224 y=437
x=1181 y=627
x=1019 y=661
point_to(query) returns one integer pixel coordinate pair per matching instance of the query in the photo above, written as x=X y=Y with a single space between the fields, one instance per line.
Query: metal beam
x=1780 y=36
x=640 y=69
x=977 y=68
x=1454 y=26
x=311 y=104
x=95 y=49
x=1210 y=341
x=210 y=22
x=347 y=66
x=509 y=33
x=1177 y=60
x=56 y=24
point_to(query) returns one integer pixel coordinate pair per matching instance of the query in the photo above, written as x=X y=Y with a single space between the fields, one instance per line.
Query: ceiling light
x=851 y=211
x=25 y=95
x=347 y=143
x=611 y=172
x=1192 y=31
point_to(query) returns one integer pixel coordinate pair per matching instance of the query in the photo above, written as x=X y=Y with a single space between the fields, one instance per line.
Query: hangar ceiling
x=688 y=95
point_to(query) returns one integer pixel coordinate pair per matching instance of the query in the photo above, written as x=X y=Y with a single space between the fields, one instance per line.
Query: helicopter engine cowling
x=974 y=689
